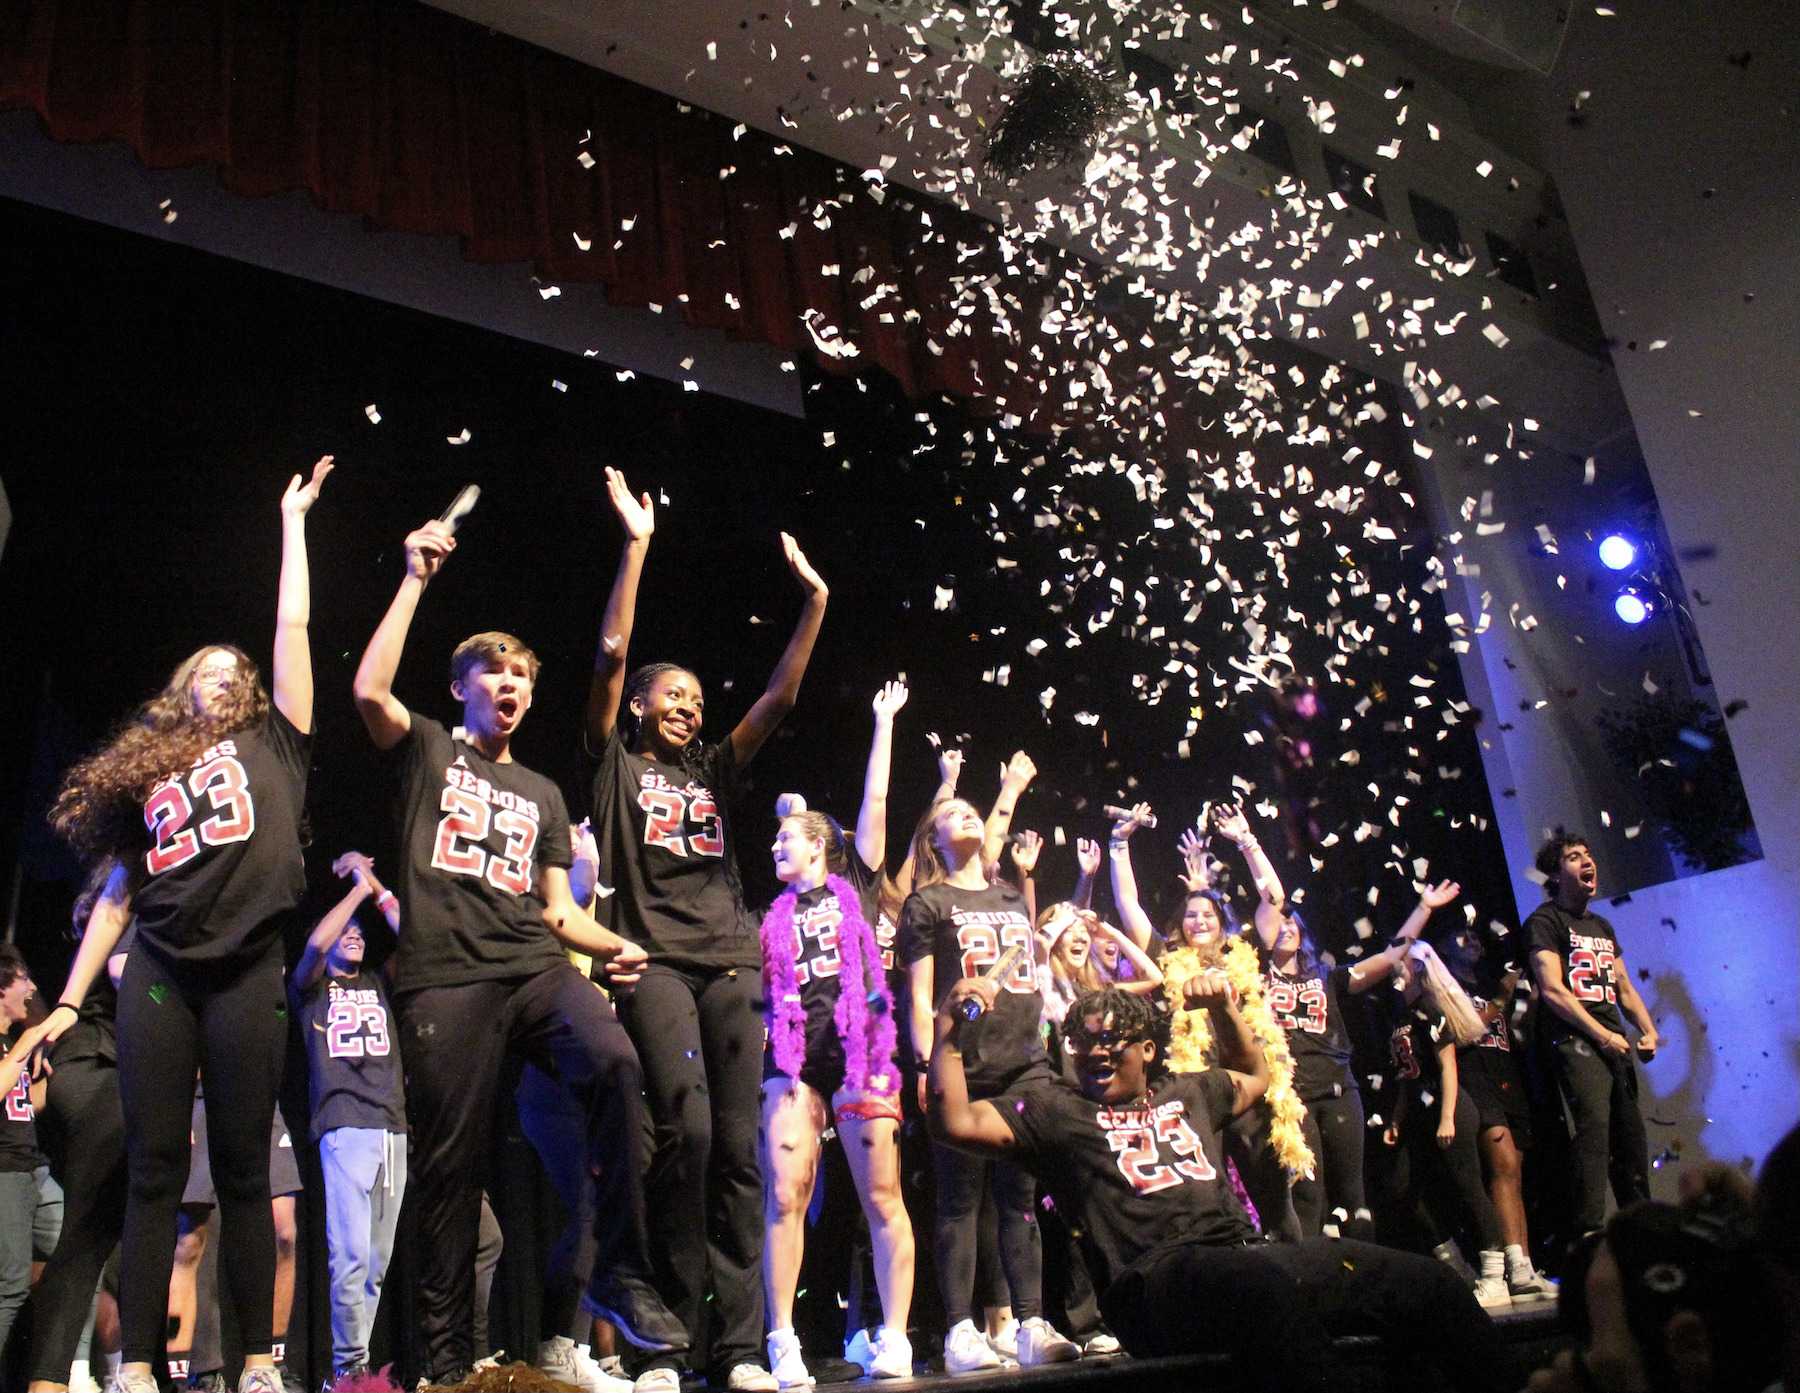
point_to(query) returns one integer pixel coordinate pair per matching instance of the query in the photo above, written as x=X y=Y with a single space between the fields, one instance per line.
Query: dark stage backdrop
x=157 y=400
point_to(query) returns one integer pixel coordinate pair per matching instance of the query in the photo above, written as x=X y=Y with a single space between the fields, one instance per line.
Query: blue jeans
x=365 y=1179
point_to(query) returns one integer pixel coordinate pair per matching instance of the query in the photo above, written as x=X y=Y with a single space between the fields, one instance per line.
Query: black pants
x=556 y=1126
x=1249 y=1148
x=1275 y=1307
x=961 y=1180
x=1602 y=1096
x=456 y=1041
x=1447 y=1178
x=1334 y=1133
x=700 y=1035
x=233 y=1028
x=82 y=1130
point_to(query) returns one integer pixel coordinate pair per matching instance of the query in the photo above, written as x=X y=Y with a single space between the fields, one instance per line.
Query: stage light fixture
x=1632 y=607
x=1617 y=552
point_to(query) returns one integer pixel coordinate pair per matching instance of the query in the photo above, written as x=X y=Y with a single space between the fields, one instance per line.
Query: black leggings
x=82 y=1129
x=961 y=1179
x=1250 y=1149
x=700 y=1036
x=233 y=1029
x=1275 y=1307
x=1334 y=1134
x=456 y=1041
x=1448 y=1177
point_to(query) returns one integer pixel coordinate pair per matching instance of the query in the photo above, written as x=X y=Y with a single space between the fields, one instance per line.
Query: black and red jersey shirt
x=1308 y=1006
x=475 y=837
x=965 y=933
x=1588 y=950
x=18 y=1125
x=818 y=962
x=665 y=838
x=224 y=868
x=352 y=1054
x=1135 y=1177
x=1414 y=1035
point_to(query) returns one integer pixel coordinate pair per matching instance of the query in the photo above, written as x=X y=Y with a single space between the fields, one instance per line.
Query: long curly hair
x=99 y=810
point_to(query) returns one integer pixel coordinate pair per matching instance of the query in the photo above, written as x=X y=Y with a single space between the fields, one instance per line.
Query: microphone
x=1124 y=815
x=460 y=507
x=972 y=1010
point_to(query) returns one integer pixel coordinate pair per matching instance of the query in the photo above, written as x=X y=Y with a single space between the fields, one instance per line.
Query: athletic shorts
x=1492 y=1080
x=284 y=1166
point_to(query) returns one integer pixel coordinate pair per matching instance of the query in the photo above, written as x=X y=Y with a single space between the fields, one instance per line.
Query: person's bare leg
x=872 y=1147
x=793 y=1118
x=1500 y=1157
x=287 y=1233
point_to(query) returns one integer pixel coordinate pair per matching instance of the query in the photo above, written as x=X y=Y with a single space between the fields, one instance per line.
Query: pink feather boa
x=868 y=1054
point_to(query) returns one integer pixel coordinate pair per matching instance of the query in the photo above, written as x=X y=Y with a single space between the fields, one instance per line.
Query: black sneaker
x=636 y=1312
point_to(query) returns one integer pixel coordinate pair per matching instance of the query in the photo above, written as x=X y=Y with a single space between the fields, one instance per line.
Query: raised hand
x=1026 y=848
x=889 y=700
x=1018 y=771
x=638 y=515
x=1209 y=988
x=1124 y=827
x=353 y=863
x=1439 y=895
x=950 y=763
x=1087 y=856
x=426 y=548
x=1228 y=821
x=802 y=568
x=300 y=497
x=1196 y=872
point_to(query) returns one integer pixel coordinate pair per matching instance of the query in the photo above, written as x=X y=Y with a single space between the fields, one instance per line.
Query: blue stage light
x=1617 y=552
x=1632 y=607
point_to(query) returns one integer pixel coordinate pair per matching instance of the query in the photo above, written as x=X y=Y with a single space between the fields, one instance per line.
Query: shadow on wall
x=1682 y=1074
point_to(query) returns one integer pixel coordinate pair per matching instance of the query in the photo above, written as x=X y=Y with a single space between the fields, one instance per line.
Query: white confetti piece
x=462 y=438
x=373 y=414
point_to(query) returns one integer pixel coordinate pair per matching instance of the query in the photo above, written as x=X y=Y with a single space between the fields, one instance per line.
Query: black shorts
x=284 y=1166
x=1494 y=1084
x=822 y=1070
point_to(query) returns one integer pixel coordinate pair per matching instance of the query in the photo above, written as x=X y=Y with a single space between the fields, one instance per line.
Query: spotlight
x=1632 y=607
x=1617 y=551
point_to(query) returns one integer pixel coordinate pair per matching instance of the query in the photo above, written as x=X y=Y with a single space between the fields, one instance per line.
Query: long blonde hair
x=1446 y=995
x=99 y=810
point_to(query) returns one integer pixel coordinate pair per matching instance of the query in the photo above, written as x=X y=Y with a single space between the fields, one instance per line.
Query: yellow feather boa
x=1191 y=1042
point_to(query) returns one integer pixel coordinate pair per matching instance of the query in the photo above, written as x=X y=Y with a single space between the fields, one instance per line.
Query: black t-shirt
x=817 y=962
x=1413 y=1040
x=352 y=1054
x=475 y=837
x=18 y=1130
x=224 y=868
x=1588 y=950
x=665 y=838
x=1132 y=1179
x=1309 y=1008
x=964 y=933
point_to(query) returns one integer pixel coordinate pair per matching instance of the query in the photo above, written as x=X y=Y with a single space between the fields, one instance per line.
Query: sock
x=112 y=1361
x=178 y=1368
x=278 y=1351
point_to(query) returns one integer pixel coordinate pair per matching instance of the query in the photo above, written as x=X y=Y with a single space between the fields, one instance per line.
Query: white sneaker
x=893 y=1355
x=1490 y=1285
x=81 y=1379
x=490 y=1361
x=563 y=1359
x=658 y=1381
x=1100 y=1344
x=1042 y=1343
x=785 y=1361
x=612 y=1365
x=965 y=1351
x=859 y=1349
x=753 y=1378
x=596 y=1375
x=1523 y=1281
x=1005 y=1341
x=123 y=1382
x=261 y=1378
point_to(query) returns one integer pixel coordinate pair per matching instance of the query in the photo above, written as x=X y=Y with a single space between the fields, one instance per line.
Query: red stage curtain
x=425 y=123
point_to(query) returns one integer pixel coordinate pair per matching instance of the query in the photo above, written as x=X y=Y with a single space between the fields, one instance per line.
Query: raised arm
x=638 y=517
x=953 y=1119
x=1238 y=1053
x=1371 y=970
x=383 y=714
x=783 y=691
x=1271 y=900
x=1087 y=865
x=1026 y=848
x=1130 y=909
x=1148 y=976
x=950 y=763
x=1015 y=776
x=330 y=928
x=293 y=676
x=871 y=818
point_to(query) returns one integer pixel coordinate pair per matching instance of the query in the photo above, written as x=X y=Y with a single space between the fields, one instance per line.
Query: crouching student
x=1133 y=1158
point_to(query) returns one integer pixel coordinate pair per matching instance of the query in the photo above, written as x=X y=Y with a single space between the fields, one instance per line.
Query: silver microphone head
x=461 y=507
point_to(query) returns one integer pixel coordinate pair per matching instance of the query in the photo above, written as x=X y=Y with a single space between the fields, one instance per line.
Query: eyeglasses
x=1090 y=1042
